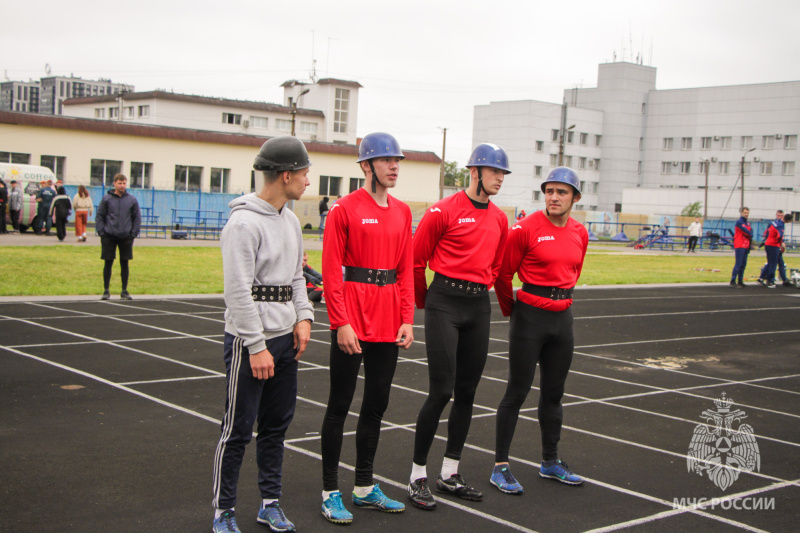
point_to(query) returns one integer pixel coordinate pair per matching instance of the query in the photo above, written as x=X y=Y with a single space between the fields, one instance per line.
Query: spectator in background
x=313 y=281
x=15 y=204
x=695 y=232
x=323 y=212
x=774 y=246
x=521 y=215
x=61 y=209
x=118 y=221
x=742 y=238
x=44 y=198
x=3 y=206
x=82 y=203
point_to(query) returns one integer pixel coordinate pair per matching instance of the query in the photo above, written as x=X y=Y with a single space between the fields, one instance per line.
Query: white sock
x=362 y=492
x=218 y=512
x=449 y=467
x=266 y=501
x=418 y=472
x=327 y=494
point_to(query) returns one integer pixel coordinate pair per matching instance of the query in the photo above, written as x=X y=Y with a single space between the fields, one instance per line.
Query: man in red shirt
x=371 y=311
x=546 y=250
x=462 y=238
x=742 y=237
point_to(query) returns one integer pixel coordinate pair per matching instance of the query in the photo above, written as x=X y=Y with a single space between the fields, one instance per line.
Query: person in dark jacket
x=3 y=204
x=61 y=208
x=44 y=198
x=742 y=240
x=117 y=222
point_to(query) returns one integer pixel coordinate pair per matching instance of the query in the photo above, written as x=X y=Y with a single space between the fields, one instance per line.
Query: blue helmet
x=563 y=175
x=378 y=145
x=489 y=155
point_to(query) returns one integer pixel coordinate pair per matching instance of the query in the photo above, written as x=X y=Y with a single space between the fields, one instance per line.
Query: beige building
x=91 y=151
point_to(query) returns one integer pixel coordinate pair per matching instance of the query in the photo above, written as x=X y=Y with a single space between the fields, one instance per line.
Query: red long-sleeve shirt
x=361 y=233
x=460 y=241
x=542 y=254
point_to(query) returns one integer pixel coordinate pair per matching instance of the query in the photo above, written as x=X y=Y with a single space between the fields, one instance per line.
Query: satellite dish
x=47 y=69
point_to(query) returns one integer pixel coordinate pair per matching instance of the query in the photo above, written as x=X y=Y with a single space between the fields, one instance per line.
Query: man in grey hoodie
x=267 y=328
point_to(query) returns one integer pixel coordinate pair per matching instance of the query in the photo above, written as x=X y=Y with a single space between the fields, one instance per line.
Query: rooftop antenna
x=313 y=61
x=47 y=69
x=5 y=73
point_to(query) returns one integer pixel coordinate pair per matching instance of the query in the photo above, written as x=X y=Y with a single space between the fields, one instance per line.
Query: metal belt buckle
x=381 y=277
x=472 y=288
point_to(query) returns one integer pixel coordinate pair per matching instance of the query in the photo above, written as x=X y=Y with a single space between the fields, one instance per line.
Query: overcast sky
x=423 y=64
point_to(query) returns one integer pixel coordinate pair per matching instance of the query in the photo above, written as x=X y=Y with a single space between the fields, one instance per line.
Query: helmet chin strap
x=480 y=183
x=374 y=177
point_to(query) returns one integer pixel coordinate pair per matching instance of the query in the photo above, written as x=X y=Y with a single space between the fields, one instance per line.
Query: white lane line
x=171 y=380
x=170 y=313
x=182 y=337
x=679 y=339
x=681 y=313
x=124 y=315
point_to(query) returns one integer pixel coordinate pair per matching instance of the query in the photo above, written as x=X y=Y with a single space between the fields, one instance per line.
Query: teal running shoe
x=376 y=499
x=504 y=480
x=334 y=511
x=558 y=470
x=226 y=523
x=273 y=517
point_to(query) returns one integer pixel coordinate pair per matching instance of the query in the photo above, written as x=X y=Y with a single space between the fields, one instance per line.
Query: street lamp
x=705 y=200
x=561 y=146
x=741 y=170
x=294 y=108
x=441 y=169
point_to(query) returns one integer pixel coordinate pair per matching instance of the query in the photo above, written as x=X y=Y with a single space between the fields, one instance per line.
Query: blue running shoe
x=376 y=499
x=334 y=511
x=558 y=470
x=273 y=517
x=503 y=479
x=226 y=523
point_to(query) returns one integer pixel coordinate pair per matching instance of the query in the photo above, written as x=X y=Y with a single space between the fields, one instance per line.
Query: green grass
x=78 y=270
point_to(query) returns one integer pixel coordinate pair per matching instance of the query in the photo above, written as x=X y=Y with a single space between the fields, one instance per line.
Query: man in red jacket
x=742 y=237
x=462 y=238
x=546 y=250
x=371 y=312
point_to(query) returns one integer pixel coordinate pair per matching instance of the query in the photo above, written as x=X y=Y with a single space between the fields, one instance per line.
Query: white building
x=654 y=145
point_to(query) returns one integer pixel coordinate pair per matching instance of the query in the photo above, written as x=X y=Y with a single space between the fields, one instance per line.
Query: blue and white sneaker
x=273 y=517
x=504 y=480
x=558 y=470
x=376 y=499
x=226 y=523
x=334 y=511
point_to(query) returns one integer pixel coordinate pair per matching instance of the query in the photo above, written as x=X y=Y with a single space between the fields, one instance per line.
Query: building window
x=666 y=167
x=599 y=138
x=747 y=142
x=539 y=146
x=341 y=108
x=597 y=164
x=329 y=185
x=100 y=112
x=582 y=185
x=140 y=175
x=570 y=137
x=144 y=111
x=584 y=139
x=787 y=168
x=705 y=143
x=308 y=127
x=766 y=168
x=231 y=118
x=724 y=167
x=258 y=122
x=219 y=179
x=103 y=171
x=13 y=157
x=582 y=163
x=554 y=135
x=356 y=183
x=282 y=124
x=188 y=178
x=686 y=167
x=568 y=161
x=725 y=143
x=553 y=160
x=537 y=171
x=703 y=167
x=686 y=143
x=667 y=144
x=113 y=112
x=55 y=163
x=252 y=181
x=767 y=142
x=129 y=112
x=536 y=195
x=790 y=142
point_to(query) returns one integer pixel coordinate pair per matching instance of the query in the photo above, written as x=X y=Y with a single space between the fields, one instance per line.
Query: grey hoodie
x=261 y=246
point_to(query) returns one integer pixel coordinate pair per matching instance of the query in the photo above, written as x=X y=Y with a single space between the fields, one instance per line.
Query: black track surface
x=109 y=416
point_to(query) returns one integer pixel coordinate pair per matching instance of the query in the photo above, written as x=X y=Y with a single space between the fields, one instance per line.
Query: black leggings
x=380 y=361
x=123 y=270
x=692 y=243
x=546 y=337
x=457 y=340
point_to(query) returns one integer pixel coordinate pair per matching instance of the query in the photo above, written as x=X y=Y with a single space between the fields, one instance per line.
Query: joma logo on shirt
x=465 y=220
x=369 y=220
x=546 y=238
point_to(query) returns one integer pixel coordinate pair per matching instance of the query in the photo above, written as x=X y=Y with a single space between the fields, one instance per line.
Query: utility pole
x=741 y=202
x=293 y=103
x=441 y=169
x=562 y=132
x=705 y=201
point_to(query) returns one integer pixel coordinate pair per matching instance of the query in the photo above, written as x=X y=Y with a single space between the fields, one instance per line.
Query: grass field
x=72 y=270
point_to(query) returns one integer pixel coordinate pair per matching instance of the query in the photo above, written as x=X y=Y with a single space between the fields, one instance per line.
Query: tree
x=454 y=176
x=692 y=210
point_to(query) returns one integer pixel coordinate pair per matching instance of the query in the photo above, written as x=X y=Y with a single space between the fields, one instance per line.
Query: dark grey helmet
x=282 y=153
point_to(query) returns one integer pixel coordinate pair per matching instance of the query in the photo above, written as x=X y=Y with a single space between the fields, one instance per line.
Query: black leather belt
x=470 y=287
x=554 y=293
x=271 y=293
x=374 y=276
